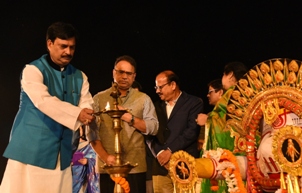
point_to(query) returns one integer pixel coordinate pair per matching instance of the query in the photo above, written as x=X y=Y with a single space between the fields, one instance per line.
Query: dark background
x=193 y=38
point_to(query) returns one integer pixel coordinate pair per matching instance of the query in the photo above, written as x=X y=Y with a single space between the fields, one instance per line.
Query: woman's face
x=214 y=95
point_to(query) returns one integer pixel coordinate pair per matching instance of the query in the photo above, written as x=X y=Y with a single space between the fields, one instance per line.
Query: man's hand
x=167 y=166
x=111 y=160
x=164 y=157
x=86 y=116
x=200 y=144
x=102 y=153
x=201 y=119
x=120 y=107
x=127 y=117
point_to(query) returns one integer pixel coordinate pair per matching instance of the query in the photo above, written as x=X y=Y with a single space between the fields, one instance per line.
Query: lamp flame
x=107 y=106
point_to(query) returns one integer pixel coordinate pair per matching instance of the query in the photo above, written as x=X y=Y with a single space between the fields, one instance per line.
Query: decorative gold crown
x=267 y=80
x=259 y=94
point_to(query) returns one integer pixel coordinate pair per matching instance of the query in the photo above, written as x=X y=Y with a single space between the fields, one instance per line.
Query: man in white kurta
x=55 y=100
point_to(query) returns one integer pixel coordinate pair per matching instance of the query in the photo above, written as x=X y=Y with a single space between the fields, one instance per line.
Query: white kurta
x=25 y=178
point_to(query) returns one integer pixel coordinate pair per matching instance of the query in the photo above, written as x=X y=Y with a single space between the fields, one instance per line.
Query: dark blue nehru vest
x=36 y=139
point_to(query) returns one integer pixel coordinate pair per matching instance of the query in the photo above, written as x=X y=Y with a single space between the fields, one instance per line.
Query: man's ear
x=48 y=43
x=221 y=92
x=173 y=84
x=113 y=71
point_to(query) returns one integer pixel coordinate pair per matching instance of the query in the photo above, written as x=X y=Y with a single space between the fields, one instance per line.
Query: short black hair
x=216 y=84
x=128 y=59
x=61 y=30
x=238 y=69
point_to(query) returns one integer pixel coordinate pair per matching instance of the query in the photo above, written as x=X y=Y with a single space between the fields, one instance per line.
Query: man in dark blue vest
x=54 y=101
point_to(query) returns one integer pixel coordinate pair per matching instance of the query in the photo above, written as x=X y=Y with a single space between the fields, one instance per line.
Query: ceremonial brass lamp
x=120 y=169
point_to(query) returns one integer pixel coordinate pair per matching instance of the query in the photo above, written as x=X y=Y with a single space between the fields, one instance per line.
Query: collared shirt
x=170 y=107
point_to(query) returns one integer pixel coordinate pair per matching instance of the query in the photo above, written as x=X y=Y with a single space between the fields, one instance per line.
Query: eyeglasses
x=210 y=91
x=121 y=72
x=161 y=87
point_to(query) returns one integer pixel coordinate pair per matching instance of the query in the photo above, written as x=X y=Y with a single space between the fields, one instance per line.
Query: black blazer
x=180 y=131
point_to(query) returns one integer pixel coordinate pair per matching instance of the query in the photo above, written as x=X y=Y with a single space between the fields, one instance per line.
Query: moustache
x=67 y=56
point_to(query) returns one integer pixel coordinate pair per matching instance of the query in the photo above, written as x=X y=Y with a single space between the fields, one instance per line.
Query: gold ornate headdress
x=259 y=94
x=267 y=87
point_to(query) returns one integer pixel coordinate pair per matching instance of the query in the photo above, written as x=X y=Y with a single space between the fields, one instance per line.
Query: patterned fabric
x=84 y=176
x=217 y=136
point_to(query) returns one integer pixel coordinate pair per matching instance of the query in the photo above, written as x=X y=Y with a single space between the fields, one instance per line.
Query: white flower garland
x=223 y=168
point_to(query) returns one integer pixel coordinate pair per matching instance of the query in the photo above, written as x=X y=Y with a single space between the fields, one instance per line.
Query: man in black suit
x=177 y=112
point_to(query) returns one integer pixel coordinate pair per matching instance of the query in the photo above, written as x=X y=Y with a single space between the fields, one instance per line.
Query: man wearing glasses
x=142 y=120
x=178 y=129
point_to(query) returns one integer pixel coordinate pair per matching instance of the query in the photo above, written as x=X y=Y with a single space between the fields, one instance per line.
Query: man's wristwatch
x=132 y=120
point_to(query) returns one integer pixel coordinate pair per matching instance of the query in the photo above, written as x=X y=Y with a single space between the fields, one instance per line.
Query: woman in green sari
x=216 y=135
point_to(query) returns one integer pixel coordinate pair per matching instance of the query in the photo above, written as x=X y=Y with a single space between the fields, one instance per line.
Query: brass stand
x=120 y=169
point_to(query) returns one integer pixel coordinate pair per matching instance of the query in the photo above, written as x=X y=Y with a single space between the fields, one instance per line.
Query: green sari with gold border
x=218 y=137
